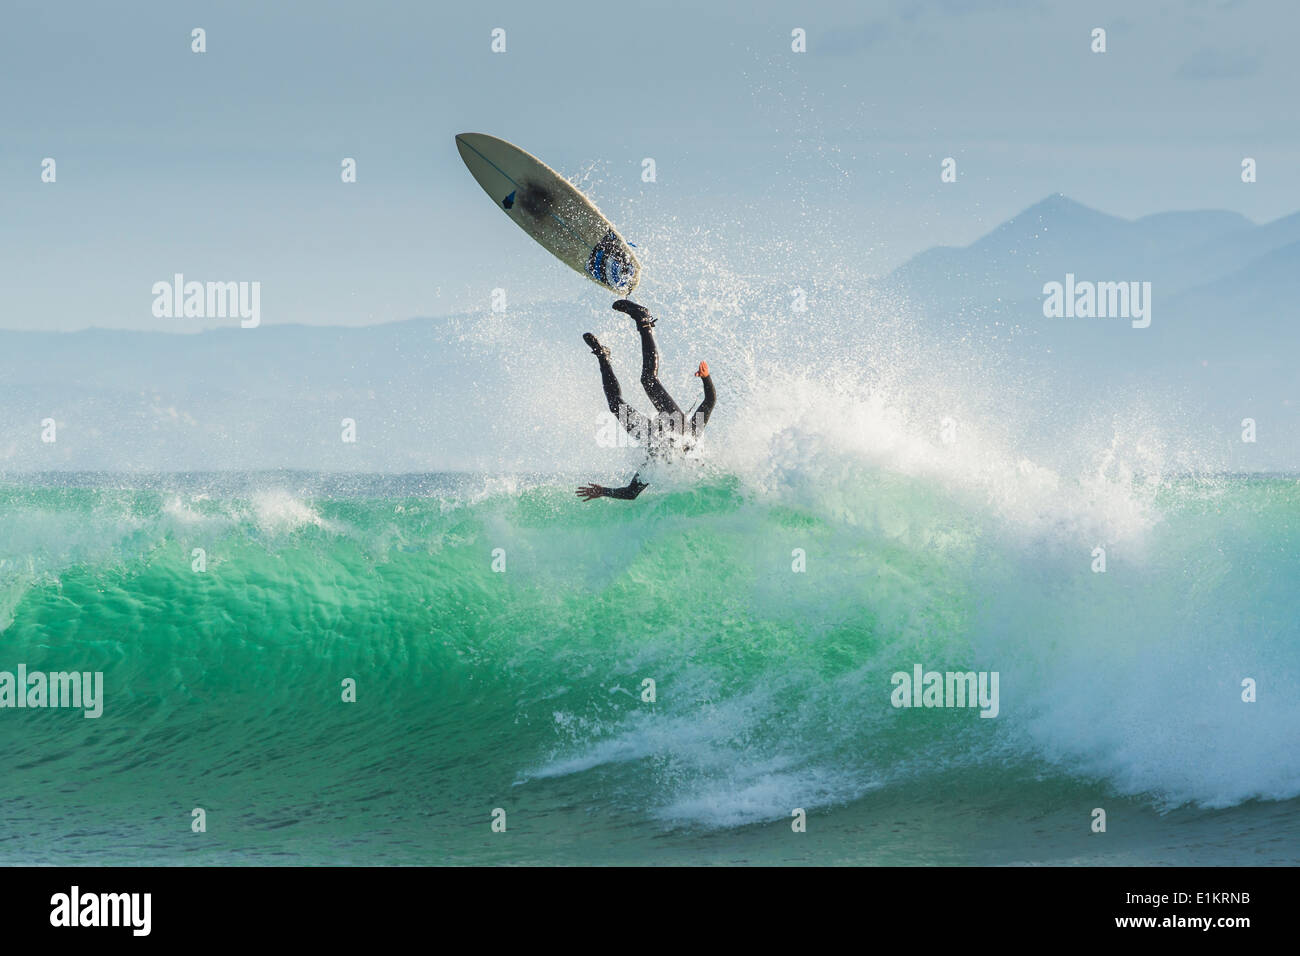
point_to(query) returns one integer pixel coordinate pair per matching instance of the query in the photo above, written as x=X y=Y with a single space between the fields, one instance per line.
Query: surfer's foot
x=638 y=312
x=597 y=349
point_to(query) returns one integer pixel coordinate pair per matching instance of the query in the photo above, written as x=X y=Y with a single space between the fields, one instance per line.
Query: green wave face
x=673 y=678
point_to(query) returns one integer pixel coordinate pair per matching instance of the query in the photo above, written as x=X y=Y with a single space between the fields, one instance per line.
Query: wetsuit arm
x=629 y=491
x=701 y=416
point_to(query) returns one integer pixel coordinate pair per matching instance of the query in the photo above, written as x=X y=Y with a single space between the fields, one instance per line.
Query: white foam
x=277 y=512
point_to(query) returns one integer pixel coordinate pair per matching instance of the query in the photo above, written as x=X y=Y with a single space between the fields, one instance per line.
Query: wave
x=771 y=686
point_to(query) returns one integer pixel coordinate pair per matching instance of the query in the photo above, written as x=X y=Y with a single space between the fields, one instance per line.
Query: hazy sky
x=225 y=165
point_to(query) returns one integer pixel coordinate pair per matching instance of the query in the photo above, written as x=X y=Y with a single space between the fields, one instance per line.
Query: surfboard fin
x=509 y=201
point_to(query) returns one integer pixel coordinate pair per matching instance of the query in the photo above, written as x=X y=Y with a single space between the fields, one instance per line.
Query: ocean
x=663 y=682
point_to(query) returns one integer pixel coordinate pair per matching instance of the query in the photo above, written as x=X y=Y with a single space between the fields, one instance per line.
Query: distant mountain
x=1261 y=300
x=424 y=393
x=1218 y=256
x=517 y=390
x=1174 y=251
x=1225 y=305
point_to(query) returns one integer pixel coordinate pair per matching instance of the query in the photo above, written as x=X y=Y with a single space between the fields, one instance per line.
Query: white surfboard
x=548 y=207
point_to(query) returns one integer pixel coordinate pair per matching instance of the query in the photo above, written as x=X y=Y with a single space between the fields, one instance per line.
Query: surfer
x=670 y=432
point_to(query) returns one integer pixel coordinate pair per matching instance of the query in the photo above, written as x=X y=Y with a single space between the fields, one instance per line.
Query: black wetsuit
x=669 y=424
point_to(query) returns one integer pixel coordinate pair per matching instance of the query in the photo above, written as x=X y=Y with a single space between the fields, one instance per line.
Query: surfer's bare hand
x=590 y=492
x=704 y=370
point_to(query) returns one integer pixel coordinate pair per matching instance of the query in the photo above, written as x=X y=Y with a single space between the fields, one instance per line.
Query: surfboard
x=550 y=209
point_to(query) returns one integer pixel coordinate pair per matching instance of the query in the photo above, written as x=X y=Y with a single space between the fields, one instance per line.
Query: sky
x=225 y=165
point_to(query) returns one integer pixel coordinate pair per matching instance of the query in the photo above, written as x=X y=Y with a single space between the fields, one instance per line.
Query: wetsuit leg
x=663 y=402
x=631 y=419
